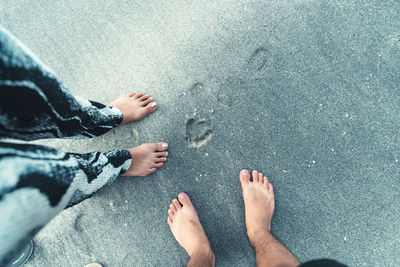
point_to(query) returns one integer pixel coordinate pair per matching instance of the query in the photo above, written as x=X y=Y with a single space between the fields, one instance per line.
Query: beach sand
x=305 y=91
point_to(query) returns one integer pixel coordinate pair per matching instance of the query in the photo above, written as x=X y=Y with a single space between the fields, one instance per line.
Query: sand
x=305 y=91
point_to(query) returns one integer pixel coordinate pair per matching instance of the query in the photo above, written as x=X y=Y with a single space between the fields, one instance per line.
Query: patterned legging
x=38 y=182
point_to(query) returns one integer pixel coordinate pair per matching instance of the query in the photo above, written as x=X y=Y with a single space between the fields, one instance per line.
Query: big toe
x=162 y=146
x=244 y=177
x=150 y=106
x=185 y=200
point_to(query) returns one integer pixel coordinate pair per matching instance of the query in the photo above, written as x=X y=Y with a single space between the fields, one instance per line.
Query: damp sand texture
x=305 y=91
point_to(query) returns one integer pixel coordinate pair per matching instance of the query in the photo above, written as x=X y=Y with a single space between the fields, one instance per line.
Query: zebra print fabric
x=38 y=182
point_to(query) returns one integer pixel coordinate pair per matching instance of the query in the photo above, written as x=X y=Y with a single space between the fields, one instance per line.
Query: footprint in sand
x=224 y=99
x=198 y=88
x=81 y=236
x=259 y=59
x=198 y=132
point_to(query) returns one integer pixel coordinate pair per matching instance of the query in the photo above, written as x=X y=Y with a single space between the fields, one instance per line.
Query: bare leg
x=187 y=230
x=259 y=204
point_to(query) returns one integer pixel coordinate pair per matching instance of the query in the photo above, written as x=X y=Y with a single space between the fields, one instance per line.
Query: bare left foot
x=134 y=106
x=147 y=158
x=187 y=230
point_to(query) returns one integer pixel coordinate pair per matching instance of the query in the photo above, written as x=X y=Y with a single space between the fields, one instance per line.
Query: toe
x=185 y=200
x=163 y=154
x=161 y=146
x=157 y=165
x=260 y=178
x=176 y=204
x=131 y=94
x=270 y=187
x=139 y=95
x=151 y=106
x=244 y=177
x=143 y=97
x=145 y=102
x=159 y=160
x=172 y=207
x=152 y=170
x=170 y=213
x=169 y=221
x=266 y=180
x=255 y=176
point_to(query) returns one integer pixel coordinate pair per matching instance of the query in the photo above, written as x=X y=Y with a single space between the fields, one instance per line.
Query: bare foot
x=147 y=158
x=134 y=106
x=187 y=230
x=259 y=203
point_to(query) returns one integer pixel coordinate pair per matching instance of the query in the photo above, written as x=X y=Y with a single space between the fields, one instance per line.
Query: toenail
x=153 y=104
x=181 y=196
x=164 y=145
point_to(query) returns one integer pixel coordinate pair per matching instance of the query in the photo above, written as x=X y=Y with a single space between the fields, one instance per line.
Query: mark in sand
x=198 y=132
x=199 y=88
x=136 y=133
x=224 y=100
x=259 y=59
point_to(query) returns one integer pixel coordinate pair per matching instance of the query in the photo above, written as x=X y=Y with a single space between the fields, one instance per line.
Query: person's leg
x=322 y=263
x=187 y=230
x=259 y=204
x=35 y=104
x=37 y=182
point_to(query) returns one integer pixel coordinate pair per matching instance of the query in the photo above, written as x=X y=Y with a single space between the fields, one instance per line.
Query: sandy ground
x=305 y=91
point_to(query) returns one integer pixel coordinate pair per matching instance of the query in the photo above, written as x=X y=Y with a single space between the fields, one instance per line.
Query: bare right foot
x=259 y=203
x=187 y=230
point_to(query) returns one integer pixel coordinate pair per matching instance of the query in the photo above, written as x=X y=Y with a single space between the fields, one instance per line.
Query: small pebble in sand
x=320 y=105
x=345 y=238
x=135 y=132
x=344 y=132
x=396 y=160
x=111 y=204
x=284 y=171
x=206 y=154
x=346 y=115
x=333 y=150
x=93 y=264
x=126 y=201
x=313 y=161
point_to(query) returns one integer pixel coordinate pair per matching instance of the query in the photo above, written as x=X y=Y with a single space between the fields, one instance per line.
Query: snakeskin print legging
x=38 y=182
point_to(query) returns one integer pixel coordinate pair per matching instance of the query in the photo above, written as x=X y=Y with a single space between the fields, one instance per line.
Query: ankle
x=204 y=253
x=259 y=237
